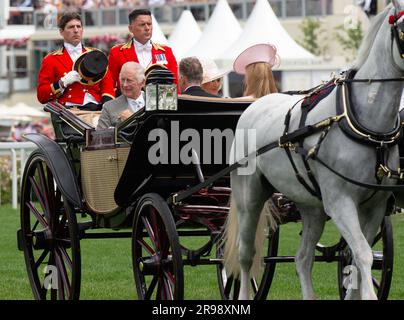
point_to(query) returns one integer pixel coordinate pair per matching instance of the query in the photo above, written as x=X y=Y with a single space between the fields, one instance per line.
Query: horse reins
x=293 y=141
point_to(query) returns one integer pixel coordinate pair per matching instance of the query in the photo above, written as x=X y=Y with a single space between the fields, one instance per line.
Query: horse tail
x=266 y=223
x=230 y=242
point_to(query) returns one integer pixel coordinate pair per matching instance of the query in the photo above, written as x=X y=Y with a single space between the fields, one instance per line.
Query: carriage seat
x=89 y=117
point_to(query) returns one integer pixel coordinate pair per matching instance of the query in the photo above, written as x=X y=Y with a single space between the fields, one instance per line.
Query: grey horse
x=356 y=211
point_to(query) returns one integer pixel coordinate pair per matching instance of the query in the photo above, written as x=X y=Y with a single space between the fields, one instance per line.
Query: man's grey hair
x=191 y=68
x=139 y=70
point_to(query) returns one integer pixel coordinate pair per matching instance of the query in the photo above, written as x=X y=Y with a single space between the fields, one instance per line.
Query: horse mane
x=369 y=39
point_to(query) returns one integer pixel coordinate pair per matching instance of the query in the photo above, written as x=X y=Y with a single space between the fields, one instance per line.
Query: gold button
x=70 y=89
x=69 y=96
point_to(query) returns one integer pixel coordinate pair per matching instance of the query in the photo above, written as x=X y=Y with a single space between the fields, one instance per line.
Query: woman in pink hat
x=256 y=64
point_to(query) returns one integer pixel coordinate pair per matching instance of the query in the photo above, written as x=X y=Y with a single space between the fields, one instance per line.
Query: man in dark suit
x=190 y=78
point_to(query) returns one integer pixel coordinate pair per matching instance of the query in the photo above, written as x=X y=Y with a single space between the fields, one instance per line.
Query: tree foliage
x=350 y=39
x=313 y=35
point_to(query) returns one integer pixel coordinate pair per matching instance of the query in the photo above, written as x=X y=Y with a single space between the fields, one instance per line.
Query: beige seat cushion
x=89 y=117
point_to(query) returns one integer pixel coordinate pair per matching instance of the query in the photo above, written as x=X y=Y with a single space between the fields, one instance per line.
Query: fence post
x=14 y=182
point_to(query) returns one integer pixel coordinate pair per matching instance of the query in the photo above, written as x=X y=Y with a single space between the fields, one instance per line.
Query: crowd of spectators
x=21 y=12
x=45 y=5
x=20 y=128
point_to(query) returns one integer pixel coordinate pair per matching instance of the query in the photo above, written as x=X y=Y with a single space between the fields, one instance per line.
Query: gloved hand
x=72 y=77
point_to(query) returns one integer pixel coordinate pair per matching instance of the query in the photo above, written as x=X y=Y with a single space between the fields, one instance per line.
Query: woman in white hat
x=212 y=76
x=256 y=63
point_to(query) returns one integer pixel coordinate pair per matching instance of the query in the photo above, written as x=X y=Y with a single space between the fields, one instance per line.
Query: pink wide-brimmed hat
x=263 y=52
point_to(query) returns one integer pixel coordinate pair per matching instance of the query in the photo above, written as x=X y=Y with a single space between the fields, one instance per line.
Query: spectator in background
x=256 y=63
x=212 y=76
x=190 y=77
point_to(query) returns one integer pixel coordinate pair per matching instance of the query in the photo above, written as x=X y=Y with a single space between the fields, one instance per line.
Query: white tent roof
x=158 y=35
x=263 y=26
x=220 y=32
x=17 y=32
x=21 y=111
x=185 y=34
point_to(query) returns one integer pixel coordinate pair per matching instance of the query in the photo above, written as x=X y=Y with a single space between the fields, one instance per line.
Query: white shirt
x=143 y=52
x=74 y=51
x=136 y=104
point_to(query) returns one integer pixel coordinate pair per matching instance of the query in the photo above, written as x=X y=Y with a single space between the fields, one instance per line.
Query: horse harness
x=347 y=121
x=293 y=141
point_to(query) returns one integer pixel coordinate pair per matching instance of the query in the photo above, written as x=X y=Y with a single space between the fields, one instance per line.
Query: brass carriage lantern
x=161 y=91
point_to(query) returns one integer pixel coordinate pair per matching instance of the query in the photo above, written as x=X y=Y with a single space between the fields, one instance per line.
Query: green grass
x=107 y=268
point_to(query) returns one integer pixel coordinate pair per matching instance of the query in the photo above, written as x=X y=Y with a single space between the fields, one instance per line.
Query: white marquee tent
x=263 y=26
x=220 y=32
x=185 y=34
x=158 y=35
x=21 y=112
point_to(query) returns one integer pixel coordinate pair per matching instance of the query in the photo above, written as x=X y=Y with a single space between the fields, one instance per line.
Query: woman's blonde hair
x=259 y=80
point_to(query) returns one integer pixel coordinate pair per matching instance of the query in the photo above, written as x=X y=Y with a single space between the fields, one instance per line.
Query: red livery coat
x=125 y=52
x=57 y=64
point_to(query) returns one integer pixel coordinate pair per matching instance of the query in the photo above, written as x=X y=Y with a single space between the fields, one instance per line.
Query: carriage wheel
x=156 y=252
x=383 y=258
x=49 y=234
x=230 y=288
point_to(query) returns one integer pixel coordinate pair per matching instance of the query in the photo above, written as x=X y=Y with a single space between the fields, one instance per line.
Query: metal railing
x=170 y=13
x=19 y=151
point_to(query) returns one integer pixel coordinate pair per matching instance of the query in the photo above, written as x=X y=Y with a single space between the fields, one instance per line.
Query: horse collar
x=350 y=124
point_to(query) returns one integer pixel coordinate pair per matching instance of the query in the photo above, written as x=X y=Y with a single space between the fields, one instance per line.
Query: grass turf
x=107 y=267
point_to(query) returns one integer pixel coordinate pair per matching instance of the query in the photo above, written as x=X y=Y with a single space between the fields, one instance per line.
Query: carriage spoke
x=377 y=238
x=40 y=218
x=41 y=259
x=151 y=288
x=146 y=246
x=154 y=224
x=169 y=282
x=37 y=192
x=228 y=286
x=376 y=283
x=44 y=187
x=150 y=232
x=254 y=285
x=51 y=189
x=66 y=257
x=62 y=274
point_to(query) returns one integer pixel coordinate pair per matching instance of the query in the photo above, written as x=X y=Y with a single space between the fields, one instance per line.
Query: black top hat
x=92 y=66
x=158 y=73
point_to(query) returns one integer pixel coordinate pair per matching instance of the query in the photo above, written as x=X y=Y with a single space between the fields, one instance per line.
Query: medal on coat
x=161 y=58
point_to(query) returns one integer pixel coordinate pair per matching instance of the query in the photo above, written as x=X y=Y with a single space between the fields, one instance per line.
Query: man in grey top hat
x=132 y=80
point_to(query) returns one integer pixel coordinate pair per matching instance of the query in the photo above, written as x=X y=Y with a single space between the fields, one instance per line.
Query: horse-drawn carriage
x=110 y=178
x=78 y=174
x=160 y=174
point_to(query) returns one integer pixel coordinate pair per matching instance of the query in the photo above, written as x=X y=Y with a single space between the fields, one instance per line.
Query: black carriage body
x=206 y=126
x=210 y=121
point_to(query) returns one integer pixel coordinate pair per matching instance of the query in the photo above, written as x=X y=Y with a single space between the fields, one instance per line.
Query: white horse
x=356 y=213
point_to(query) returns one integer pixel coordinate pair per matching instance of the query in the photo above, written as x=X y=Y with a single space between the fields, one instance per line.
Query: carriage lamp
x=161 y=91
